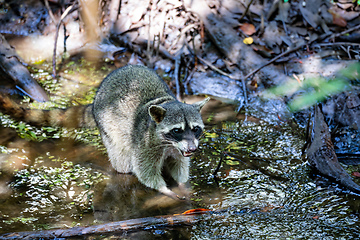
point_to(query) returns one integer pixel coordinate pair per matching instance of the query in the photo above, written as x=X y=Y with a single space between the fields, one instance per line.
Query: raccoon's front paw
x=181 y=198
x=166 y=191
x=184 y=190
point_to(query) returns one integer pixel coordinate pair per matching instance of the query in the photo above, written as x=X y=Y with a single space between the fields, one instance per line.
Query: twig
x=216 y=69
x=335 y=35
x=177 y=73
x=66 y=12
x=322 y=37
x=338 y=43
x=181 y=35
x=192 y=51
x=273 y=60
x=246 y=10
x=50 y=12
x=219 y=165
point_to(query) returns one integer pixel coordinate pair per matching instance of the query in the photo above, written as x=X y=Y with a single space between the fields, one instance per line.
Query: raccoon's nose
x=192 y=148
x=189 y=151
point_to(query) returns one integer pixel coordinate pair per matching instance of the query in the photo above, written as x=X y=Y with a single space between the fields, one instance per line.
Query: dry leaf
x=195 y=211
x=248 y=28
x=337 y=19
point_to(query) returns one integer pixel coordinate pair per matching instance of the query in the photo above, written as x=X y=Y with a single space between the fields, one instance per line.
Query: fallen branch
x=112 y=227
x=321 y=154
x=11 y=65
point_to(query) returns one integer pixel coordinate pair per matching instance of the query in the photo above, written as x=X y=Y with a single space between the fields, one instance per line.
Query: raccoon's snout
x=188 y=148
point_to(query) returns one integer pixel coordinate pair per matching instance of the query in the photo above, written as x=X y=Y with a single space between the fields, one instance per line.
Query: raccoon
x=145 y=130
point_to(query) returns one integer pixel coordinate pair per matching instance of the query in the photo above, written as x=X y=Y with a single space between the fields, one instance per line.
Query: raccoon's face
x=179 y=124
x=185 y=139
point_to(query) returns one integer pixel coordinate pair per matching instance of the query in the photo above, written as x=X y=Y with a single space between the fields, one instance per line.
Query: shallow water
x=263 y=189
x=281 y=202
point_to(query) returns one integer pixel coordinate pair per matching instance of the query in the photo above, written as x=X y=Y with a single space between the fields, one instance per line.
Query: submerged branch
x=112 y=227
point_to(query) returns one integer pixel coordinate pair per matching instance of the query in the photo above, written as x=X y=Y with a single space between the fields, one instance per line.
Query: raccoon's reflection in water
x=123 y=197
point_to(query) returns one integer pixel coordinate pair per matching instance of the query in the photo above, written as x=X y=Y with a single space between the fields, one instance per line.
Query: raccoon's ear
x=200 y=104
x=157 y=113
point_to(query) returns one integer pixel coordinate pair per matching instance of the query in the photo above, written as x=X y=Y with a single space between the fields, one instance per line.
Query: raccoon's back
x=79 y=116
x=132 y=81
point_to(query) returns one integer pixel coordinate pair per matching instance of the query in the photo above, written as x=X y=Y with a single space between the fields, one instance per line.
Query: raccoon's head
x=179 y=124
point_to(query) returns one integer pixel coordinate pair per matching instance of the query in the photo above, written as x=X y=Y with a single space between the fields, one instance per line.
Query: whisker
x=162 y=145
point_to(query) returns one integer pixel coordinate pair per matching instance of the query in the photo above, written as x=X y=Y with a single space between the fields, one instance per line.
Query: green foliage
x=39 y=134
x=87 y=98
x=356 y=1
x=23 y=220
x=30 y=132
x=314 y=90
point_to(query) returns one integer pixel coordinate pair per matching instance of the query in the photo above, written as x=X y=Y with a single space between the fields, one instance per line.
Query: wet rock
x=343 y=113
x=217 y=85
x=269 y=110
x=229 y=91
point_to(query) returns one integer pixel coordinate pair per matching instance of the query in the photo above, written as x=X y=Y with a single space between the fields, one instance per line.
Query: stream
x=61 y=178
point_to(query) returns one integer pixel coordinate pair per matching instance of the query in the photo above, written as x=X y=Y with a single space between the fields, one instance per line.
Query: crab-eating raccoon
x=144 y=128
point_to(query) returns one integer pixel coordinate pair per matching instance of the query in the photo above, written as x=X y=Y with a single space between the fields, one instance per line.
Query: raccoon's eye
x=176 y=131
x=197 y=131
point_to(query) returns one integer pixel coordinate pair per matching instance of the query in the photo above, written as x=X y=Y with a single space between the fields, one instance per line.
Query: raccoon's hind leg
x=119 y=155
x=115 y=131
